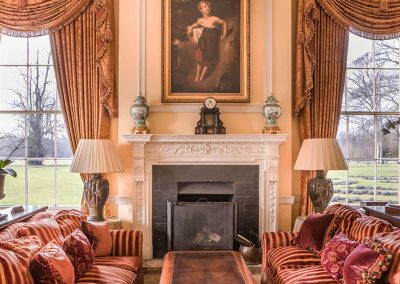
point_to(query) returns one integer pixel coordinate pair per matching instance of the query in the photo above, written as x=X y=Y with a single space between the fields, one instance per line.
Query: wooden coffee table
x=183 y=267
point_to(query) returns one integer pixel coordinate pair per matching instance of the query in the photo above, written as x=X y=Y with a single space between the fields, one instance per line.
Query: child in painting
x=209 y=37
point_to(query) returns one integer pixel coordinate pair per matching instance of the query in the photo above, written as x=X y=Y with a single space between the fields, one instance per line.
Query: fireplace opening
x=205 y=192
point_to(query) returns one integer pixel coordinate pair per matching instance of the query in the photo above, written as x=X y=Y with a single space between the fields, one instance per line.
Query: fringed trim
x=15 y=33
x=374 y=36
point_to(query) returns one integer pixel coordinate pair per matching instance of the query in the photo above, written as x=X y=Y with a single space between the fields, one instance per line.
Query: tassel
x=108 y=35
x=316 y=15
x=22 y=4
x=383 y=5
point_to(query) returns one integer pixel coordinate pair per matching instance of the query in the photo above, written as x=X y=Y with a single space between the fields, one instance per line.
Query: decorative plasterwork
x=257 y=149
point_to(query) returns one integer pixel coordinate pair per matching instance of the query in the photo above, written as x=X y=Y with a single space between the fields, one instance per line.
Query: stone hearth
x=152 y=150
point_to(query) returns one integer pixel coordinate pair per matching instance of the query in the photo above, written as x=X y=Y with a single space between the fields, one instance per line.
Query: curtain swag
x=27 y=18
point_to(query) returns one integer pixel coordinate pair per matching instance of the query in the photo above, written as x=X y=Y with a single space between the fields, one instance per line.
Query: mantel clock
x=209 y=122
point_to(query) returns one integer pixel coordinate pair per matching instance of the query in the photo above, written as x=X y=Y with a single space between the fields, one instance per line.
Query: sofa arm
x=270 y=240
x=126 y=243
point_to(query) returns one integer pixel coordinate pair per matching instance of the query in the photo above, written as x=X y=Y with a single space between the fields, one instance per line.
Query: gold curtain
x=321 y=68
x=35 y=17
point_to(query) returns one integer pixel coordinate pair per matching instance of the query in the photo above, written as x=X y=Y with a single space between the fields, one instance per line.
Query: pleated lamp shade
x=320 y=154
x=96 y=156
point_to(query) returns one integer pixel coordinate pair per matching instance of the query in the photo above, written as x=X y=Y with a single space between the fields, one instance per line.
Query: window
x=30 y=112
x=371 y=98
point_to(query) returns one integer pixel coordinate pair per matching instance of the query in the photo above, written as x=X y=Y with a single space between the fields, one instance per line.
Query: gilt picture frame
x=205 y=51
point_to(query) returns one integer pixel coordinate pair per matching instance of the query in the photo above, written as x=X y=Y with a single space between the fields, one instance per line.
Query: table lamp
x=320 y=154
x=96 y=157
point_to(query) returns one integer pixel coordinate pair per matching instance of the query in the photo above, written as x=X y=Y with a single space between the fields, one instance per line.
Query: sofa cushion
x=69 y=220
x=391 y=241
x=132 y=263
x=99 y=236
x=335 y=254
x=10 y=232
x=39 y=216
x=79 y=251
x=347 y=216
x=316 y=231
x=311 y=274
x=366 y=263
x=290 y=257
x=15 y=256
x=51 y=265
x=107 y=274
x=46 y=229
x=368 y=226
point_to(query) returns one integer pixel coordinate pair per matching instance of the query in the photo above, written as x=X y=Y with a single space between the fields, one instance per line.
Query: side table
x=298 y=223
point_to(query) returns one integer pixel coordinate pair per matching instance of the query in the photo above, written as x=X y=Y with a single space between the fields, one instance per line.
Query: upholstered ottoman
x=182 y=267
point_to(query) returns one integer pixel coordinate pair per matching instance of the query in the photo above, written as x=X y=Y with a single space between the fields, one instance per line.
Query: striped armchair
x=285 y=263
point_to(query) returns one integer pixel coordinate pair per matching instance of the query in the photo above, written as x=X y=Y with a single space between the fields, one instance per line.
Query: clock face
x=210 y=103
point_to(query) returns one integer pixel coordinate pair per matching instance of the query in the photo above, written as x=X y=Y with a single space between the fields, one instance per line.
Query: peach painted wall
x=168 y=119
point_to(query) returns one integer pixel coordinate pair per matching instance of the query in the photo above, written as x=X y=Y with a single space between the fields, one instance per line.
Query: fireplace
x=149 y=151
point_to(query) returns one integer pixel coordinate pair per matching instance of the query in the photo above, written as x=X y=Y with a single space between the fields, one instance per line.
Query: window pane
x=14 y=188
x=13 y=50
x=388 y=186
x=387 y=53
x=42 y=91
x=69 y=185
x=339 y=185
x=341 y=134
x=387 y=90
x=360 y=52
x=63 y=145
x=361 y=137
x=40 y=51
x=41 y=175
x=41 y=131
x=13 y=90
x=360 y=88
x=388 y=145
x=12 y=134
x=361 y=181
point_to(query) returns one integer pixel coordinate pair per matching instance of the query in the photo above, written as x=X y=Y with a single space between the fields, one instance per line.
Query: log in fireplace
x=201 y=225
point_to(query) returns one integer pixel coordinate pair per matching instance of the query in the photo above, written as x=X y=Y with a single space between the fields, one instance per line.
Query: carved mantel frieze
x=249 y=149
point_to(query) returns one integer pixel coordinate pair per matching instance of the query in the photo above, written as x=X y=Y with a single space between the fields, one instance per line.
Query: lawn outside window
x=371 y=97
x=30 y=110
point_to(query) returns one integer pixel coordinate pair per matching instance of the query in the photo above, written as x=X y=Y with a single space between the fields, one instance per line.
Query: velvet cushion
x=347 y=216
x=335 y=253
x=79 y=251
x=316 y=231
x=391 y=241
x=366 y=263
x=15 y=256
x=46 y=229
x=69 y=220
x=51 y=265
x=99 y=236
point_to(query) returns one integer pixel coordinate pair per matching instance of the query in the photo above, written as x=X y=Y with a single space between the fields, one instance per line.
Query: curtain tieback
x=383 y=5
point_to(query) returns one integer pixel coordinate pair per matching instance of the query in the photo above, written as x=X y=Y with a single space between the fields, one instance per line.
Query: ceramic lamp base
x=96 y=194
x=320 y=191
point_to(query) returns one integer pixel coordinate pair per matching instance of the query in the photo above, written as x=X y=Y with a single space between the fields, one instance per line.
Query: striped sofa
x=283 y=262
x=124 y=265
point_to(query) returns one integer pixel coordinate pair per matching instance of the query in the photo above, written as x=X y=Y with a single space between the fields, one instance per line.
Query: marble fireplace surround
x=230 y=149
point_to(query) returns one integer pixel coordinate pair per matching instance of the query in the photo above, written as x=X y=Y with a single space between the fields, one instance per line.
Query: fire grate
x=201 y=226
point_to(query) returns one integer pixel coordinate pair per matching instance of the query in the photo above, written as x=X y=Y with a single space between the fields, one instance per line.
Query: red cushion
x=391 y=241
x=316 y=231
x=15 y=256
x=366 y=263
x=335 y=253
x=46 y=229
x=69 y=220
x=79 y=251
x=51 y=265
x=347 y=216
x=99 y=236
x=368 y=226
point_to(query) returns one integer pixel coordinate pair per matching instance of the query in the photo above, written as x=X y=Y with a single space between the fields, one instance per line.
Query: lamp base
x=96 y=192
x=140 y=130
x=320 y=191
x=271 y=130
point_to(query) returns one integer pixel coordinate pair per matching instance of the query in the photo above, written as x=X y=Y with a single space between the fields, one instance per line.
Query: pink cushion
x=51 y=265
x=46 y=229
x=79 y=251
x=335 y=253
x=69 y=220
x=316 y=231
x=366 y=263
x=99 y=236
x=15 y=256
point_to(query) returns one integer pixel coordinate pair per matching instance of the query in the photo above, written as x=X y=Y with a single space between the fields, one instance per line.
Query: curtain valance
x=28 y=18
x=373 y=19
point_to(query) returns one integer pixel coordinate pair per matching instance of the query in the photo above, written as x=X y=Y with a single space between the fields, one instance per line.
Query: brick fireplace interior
x=214 y=183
